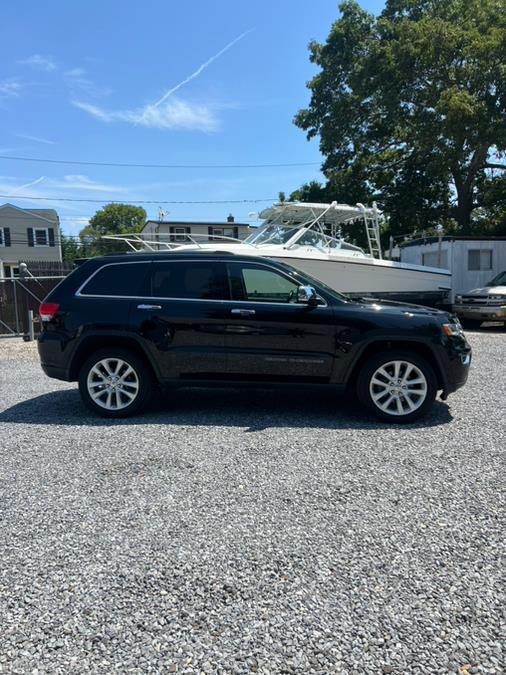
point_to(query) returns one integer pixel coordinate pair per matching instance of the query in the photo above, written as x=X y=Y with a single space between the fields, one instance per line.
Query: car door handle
x=149 y=307
x=243 y=312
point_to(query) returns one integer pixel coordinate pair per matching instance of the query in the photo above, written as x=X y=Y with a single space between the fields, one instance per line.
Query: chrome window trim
x=281 y=273
x=80 y=294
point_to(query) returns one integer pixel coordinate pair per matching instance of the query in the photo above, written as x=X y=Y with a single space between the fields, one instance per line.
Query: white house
x=473 y=261
x=28 y=235
x=176 y=231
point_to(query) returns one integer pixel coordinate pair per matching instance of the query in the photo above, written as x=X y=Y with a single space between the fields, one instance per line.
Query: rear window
x=121 y=279
x=189 y=280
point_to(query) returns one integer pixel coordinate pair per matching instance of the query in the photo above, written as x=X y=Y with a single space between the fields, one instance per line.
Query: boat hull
x=375 y=278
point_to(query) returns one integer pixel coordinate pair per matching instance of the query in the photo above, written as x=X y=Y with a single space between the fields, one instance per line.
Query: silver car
x=483 y=304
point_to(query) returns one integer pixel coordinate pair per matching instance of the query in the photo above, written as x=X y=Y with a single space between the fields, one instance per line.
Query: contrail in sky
x=201 y=68
x=34 y=182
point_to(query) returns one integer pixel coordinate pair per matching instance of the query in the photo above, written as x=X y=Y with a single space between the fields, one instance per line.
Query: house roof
x=49 y=215
x=434 y=240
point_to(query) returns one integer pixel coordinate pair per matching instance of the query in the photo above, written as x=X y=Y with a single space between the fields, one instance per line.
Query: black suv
x=124 y=325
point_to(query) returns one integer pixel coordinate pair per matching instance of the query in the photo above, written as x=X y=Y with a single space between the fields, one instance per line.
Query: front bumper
x=483 y=312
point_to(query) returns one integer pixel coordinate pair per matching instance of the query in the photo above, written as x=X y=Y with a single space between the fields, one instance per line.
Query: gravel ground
x=237 y=531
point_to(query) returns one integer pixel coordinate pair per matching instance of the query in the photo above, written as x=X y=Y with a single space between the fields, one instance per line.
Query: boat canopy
x=305 y=212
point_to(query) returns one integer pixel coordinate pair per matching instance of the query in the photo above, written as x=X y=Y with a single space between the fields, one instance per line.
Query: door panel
x=182 y=323
x=269 y=335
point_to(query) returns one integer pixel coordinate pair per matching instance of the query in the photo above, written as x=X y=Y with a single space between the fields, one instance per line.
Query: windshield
x=273 y=234
x=499 y=280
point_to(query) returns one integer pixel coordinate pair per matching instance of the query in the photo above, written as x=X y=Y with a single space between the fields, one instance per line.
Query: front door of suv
x=182 y=322
x=269 y=335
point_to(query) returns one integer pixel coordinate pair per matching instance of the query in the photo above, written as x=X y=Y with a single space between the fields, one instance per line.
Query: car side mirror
x=307 y=294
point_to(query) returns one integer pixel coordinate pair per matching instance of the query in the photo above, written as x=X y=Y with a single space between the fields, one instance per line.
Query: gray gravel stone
x=239 y=531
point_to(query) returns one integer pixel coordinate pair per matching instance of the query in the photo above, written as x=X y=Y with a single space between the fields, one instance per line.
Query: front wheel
x=399 y=387
x=115 y=383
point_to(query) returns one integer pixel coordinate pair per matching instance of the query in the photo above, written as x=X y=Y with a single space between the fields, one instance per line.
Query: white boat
x=308 y=237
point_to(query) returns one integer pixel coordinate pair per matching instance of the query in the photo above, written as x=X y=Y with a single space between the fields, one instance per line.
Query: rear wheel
x=397 y=386
x=115 y=383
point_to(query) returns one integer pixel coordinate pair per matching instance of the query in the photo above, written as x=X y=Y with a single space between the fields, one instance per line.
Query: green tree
x=111 y=219
x=412 y=104
x=70 y=248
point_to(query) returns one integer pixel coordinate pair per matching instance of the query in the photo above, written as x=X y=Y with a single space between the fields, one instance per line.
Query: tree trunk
x=464 y=187
x=464 y=204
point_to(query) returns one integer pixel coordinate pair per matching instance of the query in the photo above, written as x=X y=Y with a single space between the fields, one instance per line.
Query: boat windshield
x=272 y=234
x=278 y=235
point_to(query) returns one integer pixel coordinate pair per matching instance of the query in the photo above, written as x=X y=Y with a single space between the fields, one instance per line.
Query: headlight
x=501 y=298
x=458 y=298
x=453 y=329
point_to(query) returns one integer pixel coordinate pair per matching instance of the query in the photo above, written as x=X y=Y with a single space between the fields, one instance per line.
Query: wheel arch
x=377 y=346
x=93 y=343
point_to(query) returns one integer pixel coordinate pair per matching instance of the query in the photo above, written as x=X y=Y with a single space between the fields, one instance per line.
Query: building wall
x=457 y=252
x=202 y=229
x=18 y=221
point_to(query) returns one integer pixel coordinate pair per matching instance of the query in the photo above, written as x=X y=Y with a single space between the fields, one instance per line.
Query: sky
x=157 y=82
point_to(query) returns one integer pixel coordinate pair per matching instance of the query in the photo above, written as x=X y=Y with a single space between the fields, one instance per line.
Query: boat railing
x=138 y=241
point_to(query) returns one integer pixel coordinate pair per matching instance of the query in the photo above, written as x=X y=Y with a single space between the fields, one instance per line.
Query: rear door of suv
x=181 y=323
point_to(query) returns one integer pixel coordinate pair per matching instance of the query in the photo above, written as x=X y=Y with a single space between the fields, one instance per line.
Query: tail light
x=47 y=310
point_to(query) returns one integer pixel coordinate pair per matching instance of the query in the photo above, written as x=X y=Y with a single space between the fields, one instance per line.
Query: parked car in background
x=483 y=304
x=124 y=326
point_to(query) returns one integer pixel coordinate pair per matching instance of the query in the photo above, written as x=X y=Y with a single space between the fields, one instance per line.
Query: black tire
x=378 y=360
x=143 y=377
x=471 y=323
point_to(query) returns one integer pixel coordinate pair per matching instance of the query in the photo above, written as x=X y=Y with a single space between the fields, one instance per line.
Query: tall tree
x=416 y=100
x=111 y=219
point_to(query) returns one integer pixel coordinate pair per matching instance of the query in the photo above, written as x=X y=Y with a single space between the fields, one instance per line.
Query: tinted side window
x=128 y=279
x=189 y=280
x=263 y=285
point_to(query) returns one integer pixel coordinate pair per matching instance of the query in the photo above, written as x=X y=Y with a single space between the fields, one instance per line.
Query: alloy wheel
x=112 y=384
x=398 y=387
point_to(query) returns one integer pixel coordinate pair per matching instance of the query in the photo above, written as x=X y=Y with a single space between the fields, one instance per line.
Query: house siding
x=20 y=224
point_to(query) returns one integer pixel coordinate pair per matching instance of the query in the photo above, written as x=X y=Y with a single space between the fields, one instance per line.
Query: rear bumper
x=483 y=312
x=51 y=351
x=55 y=372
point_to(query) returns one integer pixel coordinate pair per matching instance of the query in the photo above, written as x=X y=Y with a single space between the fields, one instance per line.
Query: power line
x=157 y=166
x=140 y=201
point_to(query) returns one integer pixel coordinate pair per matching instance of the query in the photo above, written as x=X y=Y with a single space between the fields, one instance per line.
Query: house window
x=179 y=233
x=478 y=260
x=431 y=259
x=222 y=232
x=40 y=236
x=2 y=237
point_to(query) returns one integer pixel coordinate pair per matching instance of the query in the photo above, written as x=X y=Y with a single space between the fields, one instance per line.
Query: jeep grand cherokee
x=125 y=325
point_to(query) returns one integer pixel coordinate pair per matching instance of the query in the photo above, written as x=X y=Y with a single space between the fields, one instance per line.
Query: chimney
x=230 y=218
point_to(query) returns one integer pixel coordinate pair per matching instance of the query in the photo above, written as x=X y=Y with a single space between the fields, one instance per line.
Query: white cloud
x=165 y=114
x=175 y=115
x=36 y=139
x=80 y=182
x=40 y=62
x=77 y=81
x=10 y=88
